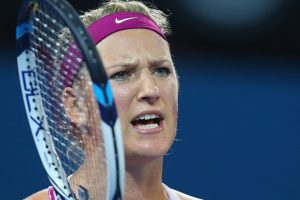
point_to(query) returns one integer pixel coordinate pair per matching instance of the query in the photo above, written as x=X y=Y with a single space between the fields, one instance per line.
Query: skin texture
x=143 y=78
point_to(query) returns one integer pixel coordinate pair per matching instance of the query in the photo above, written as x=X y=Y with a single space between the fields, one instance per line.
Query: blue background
x=238 y=134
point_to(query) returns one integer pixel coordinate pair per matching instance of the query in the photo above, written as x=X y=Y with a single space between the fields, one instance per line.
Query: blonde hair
x=113 y=6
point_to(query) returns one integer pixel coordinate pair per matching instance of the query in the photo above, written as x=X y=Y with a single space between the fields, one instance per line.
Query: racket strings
x=68 y=53
x=44 y=59
x=43 y=78
x=50 y=49
x=55 y=112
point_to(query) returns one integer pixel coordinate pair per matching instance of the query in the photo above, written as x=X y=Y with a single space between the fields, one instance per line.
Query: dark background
x=239 y=124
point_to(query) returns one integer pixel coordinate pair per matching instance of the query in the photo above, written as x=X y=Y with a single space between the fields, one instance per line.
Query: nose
x=148 y=90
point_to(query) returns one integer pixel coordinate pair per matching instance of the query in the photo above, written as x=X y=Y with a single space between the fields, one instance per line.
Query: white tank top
x=172 y=195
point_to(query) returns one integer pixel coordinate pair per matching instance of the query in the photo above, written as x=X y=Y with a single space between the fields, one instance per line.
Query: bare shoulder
x=185 y=196
x=41 y=195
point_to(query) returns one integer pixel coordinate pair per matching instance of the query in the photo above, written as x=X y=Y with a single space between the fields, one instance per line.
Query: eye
x=120 y=76
x=162 y=71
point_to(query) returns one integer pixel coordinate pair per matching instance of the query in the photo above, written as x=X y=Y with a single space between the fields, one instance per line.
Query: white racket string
x=68 y=143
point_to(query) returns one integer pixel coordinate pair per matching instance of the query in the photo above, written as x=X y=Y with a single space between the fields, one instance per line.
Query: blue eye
x=120 y=76
x=162 y=71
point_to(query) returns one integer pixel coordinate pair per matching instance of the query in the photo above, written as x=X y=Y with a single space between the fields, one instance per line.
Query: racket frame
x=102 y=90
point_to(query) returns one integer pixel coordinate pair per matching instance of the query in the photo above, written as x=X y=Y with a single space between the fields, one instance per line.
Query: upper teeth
x=147 y=117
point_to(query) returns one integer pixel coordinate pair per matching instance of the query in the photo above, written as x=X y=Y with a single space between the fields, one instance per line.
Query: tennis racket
x=69 y=103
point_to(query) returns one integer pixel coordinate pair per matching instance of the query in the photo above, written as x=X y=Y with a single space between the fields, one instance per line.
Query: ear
x=74 y=108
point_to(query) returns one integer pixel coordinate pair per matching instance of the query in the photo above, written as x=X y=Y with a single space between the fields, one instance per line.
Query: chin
x=145 y=153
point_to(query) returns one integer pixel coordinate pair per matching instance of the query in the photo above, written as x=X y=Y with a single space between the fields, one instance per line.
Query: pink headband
x=118 y=21
x=99 y=30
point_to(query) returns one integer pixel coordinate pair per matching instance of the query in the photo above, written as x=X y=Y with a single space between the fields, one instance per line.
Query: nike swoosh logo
x=119 y=21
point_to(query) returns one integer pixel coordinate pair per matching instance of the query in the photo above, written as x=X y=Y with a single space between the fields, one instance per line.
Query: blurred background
x=239 y=121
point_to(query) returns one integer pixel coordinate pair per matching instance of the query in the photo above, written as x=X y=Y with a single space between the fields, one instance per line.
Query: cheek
x=170 y=93
x=122 y=98
x=173 y=92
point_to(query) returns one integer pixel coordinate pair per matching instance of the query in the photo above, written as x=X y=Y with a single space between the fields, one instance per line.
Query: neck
x=88 y=175
x=145 y=182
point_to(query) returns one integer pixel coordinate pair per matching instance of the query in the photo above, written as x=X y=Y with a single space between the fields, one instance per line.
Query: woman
x=137 y=58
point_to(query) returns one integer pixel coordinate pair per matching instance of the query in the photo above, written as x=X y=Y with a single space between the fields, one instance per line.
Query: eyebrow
x=153 y=62
x=156 y=62
x=122 y=64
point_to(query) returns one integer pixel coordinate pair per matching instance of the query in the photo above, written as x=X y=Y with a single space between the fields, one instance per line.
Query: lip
x=153 y=130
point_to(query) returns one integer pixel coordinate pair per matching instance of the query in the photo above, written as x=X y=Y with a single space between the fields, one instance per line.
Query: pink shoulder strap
x=51 y=193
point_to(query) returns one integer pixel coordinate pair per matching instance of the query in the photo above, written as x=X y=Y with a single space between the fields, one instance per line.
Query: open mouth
x=147 y=121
